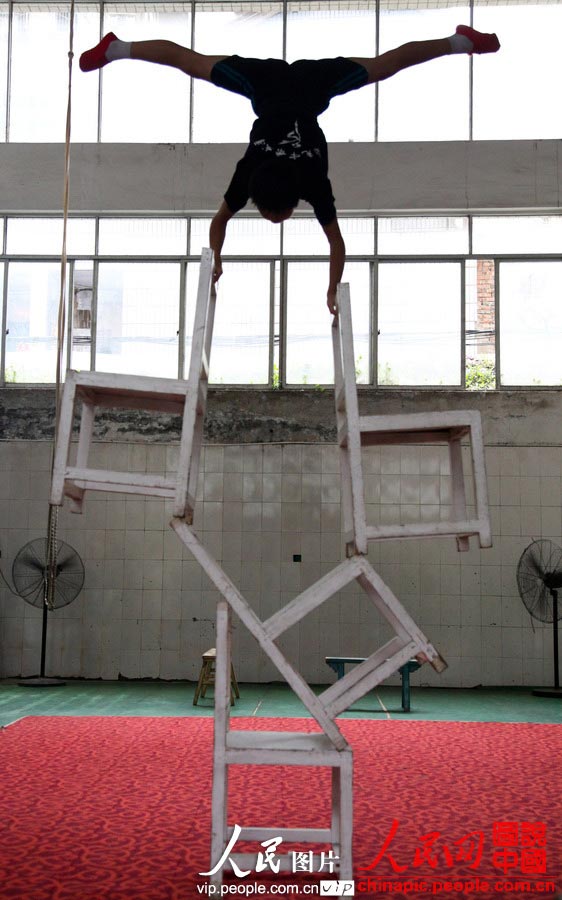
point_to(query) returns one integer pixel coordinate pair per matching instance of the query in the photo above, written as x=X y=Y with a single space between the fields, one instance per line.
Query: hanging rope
x=52 y=523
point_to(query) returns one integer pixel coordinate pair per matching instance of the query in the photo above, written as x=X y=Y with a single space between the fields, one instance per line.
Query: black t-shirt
x=300 y=141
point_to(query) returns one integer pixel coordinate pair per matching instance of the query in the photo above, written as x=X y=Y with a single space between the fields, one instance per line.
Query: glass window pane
x=480 y=318
x=244 y=237
x=531 y=322
x=31 y=322
x=82 y=294
x=240 y=351
x=138 y=318
x=39 y=94
x=419 y=318
x=142 y=102
x=3 y=66
x=516 y=234
x=337 y=29
x=305 y=237
x=510 y=100
x=429 y=102
x=309 y=333
x=143 y=237
x=249 y=29
x=427 y=234
x=44 y=236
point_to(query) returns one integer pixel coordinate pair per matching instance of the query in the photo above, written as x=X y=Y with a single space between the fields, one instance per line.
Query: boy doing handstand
x=287 y=156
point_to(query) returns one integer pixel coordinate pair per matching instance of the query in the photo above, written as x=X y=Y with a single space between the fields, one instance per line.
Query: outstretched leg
x=465 y=40
x=164 y=53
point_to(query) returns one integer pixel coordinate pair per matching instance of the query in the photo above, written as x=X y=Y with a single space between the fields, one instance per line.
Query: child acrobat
x=287 y=155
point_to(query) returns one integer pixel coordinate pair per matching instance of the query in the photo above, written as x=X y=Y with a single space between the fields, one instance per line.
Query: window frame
x=278 y=266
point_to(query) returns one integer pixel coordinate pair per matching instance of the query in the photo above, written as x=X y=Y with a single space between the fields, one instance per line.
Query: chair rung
x=465 y=528
x=310 y=835
x=127 y=482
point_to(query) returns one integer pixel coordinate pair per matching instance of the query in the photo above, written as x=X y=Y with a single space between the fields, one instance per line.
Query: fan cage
x=30 y=573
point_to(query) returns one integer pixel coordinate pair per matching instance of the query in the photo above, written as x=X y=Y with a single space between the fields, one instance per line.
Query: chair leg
x=64 y=437
x=336 y=810
x=346 y=817
x=219 y=798
x=480 y=485
x=83 y=453
x=199 y=684
x=458 y=496
x=234 y=682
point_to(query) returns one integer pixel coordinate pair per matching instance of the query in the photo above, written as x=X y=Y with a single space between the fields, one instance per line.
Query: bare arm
x=337 y=261
x=217 y=234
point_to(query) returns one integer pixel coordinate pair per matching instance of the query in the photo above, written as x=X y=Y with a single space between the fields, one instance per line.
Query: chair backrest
x=198 y=382
x=347 y=421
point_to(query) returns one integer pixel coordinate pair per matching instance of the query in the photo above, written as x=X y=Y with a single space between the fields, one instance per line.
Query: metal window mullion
x=463 y=324
x=69 y=300
x=4 y=325
x=471 y=81
x=373 y=319
x=191 y=80
x=9 y=70
x=283 y=280
x=497 y=322
x=100 y=74
x=377 y=46
x=284 y=28
x=271 y=361
x=182 y=320
x=94 y=311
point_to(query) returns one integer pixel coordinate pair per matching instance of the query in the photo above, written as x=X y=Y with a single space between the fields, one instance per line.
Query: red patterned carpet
x=119 y=809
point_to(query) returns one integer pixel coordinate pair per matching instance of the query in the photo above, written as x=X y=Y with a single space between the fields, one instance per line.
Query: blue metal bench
x=338 y=664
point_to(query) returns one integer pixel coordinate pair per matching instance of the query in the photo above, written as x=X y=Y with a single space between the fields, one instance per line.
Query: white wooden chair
x=282 y=748
x=294 y=748
x=99 y=390
x=355 y=432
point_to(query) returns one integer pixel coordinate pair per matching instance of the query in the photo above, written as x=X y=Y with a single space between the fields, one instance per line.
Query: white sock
x=118 y=50
x=460 y=44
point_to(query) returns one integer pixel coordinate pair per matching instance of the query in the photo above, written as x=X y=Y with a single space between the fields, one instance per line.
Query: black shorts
x=307 y=84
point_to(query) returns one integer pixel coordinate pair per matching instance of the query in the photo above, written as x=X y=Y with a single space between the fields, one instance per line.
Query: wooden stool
x=207 y=677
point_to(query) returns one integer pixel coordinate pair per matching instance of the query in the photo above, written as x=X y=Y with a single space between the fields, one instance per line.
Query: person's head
x=274 y=189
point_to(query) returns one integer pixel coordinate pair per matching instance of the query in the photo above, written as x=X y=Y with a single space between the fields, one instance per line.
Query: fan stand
x=43 y=681
x=556 y=691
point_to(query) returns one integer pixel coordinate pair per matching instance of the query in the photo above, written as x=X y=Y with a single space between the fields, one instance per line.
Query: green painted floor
x=149 y=698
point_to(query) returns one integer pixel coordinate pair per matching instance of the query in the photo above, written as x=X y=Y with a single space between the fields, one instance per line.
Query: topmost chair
x=170 y=395
x=355 y=432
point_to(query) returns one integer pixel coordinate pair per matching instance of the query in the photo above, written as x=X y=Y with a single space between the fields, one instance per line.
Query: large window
x=138 y=103
x=432 y=102
x=458 y=98
x=419 y=312
x=469 y=302
x=511 y=100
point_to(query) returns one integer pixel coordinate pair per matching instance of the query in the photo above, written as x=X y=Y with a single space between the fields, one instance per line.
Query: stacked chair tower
x=327 y=747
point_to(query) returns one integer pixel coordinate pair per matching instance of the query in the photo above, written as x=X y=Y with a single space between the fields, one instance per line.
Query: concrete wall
x=483 y=175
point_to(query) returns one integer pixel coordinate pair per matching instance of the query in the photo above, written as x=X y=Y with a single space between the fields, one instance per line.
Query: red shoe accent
x=481 y=42
x=95 y=58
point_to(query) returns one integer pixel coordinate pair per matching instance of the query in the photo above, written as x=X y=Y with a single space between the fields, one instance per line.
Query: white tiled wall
x=147 y=610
